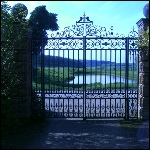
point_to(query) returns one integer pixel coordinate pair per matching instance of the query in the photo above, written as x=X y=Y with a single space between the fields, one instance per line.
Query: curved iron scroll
x=85 y=27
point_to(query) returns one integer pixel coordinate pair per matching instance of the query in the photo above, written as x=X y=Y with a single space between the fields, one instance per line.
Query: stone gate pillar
x=143 y=96
x=22 y=57
x=23 y=93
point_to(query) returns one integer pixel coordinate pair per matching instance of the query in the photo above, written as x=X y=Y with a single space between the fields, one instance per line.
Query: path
x=78 y=134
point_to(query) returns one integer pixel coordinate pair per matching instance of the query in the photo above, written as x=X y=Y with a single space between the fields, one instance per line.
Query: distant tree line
x=57 y=61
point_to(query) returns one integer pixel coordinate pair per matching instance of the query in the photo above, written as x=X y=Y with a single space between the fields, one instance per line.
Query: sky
x=122 y=15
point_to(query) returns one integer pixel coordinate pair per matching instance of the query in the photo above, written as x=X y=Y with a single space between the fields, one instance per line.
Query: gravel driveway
x=77 y=134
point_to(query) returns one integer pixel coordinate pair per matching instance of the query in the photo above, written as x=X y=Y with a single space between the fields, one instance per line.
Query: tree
x=12 y=33
x=42 y=20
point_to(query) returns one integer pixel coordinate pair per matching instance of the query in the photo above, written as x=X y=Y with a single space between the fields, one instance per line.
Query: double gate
x=86 y=72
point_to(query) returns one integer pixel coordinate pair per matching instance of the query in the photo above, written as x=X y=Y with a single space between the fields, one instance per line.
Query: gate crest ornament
x=85 y=27
x=85 y=19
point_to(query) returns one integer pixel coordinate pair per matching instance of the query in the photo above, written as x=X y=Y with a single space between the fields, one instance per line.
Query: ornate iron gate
x=86 y=72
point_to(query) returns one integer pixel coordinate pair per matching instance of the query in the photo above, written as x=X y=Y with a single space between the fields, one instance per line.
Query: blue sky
x=122 y=15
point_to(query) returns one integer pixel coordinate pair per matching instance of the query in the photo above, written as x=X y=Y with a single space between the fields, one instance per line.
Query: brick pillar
x=143 y=97
x=22 y=99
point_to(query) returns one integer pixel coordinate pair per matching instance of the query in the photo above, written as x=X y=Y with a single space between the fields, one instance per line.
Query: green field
x=57 y=78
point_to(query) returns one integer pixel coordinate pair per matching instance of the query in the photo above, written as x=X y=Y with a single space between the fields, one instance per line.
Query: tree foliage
x=42 y=20
x=12 y=33
x=143 y=43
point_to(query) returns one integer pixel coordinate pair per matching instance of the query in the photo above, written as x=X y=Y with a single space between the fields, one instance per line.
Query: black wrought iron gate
x=86 y=72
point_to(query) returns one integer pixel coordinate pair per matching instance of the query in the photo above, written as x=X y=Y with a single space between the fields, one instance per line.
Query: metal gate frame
x=85 y=31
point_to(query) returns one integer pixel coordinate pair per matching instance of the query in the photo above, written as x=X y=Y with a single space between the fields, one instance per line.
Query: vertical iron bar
x=84 y=78
x=73 y=83
x=120 y=71
x=54 y=105
x=58 y=80
x=100 y=69
x=48 y=70
x=133 y=67
x=58 y=70
x=73 y=71
x=120 y=81
x=73 y=107
x=126 y=80
x=110 y=78
x=54 y=86
x=95 y=78
x=115 y=70
x=132 y=70
x=115 y=108
x=63 y=70
x=110 y=69
x=49 y=108
x=78 y=70
x=96 y=69
x=63 y=107
x=49 y=77
x=68 y=71
x=68 y=106
x=90 y=107
x=91 y=87
x=105 y=67
x=100 y=107
x=95 y=107
x=105 y=107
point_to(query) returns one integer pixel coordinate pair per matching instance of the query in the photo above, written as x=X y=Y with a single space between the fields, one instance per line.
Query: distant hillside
x=94 y=63
x=55 y=61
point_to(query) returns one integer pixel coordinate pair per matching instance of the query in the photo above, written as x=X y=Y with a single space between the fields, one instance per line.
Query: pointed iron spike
x=133 y=28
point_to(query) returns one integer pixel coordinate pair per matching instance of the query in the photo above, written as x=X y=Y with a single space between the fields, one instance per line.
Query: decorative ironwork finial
x=133 y=33
x=85 y=19
x=133 y=28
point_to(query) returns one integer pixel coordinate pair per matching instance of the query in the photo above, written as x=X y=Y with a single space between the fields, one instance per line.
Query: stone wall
x=143 y=97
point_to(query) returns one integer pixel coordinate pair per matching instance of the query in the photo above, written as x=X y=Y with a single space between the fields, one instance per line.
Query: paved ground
x=143 y=135
x=79 y=134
